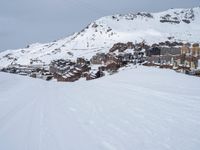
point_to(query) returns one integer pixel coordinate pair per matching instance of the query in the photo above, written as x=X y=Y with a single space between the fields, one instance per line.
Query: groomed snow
x=136 y=109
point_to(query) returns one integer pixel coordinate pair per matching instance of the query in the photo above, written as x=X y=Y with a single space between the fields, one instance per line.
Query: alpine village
x=178 y=56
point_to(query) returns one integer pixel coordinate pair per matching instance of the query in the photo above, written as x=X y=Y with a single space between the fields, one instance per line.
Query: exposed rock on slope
x=181 y=25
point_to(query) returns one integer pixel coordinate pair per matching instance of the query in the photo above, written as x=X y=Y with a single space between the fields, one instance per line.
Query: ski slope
x=136 y=109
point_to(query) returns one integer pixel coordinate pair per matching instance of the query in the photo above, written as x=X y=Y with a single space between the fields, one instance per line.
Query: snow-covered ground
x=136 y=109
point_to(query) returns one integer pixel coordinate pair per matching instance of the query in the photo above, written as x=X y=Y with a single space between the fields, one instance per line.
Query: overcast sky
x=23 y=22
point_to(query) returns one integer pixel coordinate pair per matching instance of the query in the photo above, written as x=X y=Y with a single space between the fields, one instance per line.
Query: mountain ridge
x=182 y=25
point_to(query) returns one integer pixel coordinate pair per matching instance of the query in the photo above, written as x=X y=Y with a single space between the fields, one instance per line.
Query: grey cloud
x=27 y=21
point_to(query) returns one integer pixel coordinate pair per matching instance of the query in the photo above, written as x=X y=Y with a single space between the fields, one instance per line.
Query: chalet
x=60 y=66
x=171 y=60
x=47 y=75
x=166 y=54
x=191 y=51
x=82 y=68
x=73 y=74
x=184 y=69
x=95 y=75
x=139 y=56
x=90 y=76
x=165 y=48
x=121 y=47
x=112 y=58
x=112 y=67
x=70 y=77
x=125 y=57
x=99 y=58
x=185 y=50
x=170 y=50
x=188 y=61
x=35 y=71
x=67 y=77
x=190 y=55
x=82 y=61
x=154 y=51
x=195 y=50
x=22 y=69
x=154 y=59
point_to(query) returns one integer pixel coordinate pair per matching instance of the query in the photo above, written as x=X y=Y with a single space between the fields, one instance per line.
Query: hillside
x=143 y=108
x=182 y=25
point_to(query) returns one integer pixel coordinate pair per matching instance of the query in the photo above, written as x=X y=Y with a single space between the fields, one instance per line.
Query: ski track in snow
x=143 y=108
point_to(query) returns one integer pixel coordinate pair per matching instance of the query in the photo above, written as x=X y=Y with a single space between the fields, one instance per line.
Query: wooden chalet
x=60 y=66
x=82 y=61
x=121 y=47
x=99 y=58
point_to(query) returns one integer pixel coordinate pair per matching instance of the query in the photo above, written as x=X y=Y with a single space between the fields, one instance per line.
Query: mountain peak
x=182 y=25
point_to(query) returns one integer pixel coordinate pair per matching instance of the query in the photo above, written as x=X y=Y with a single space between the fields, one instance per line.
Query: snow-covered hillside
x=174 y=24
x=143 y=108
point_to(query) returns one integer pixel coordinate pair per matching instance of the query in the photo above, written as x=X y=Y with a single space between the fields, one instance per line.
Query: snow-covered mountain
x=136 y=109
x=174 y=24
